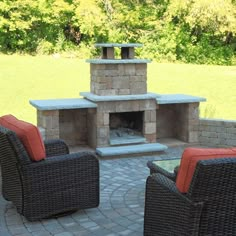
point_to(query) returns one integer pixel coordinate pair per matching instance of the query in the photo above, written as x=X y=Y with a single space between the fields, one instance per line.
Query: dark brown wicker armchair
x=60 y=183
x=208 y=208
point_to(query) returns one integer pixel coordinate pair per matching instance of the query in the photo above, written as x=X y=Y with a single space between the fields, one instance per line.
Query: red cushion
x=28 y=134
x=189 y=160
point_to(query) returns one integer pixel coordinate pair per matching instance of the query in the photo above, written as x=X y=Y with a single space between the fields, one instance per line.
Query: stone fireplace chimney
x=126 y=113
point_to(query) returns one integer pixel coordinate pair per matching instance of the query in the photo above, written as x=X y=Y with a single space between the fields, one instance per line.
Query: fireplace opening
x=126 y=128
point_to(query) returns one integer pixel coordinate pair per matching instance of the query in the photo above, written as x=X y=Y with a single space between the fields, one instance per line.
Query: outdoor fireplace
x=118 y=111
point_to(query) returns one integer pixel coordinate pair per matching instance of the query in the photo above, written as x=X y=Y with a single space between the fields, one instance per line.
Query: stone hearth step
x=131 y=149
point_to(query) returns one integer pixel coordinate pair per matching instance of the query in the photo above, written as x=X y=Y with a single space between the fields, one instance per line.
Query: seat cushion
x=28 y=134
x=189 y=160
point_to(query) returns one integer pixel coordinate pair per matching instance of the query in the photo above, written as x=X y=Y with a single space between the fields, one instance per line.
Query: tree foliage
x=196 y=31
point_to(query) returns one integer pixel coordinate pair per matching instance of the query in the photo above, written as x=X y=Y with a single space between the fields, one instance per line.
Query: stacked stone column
x=125 y=81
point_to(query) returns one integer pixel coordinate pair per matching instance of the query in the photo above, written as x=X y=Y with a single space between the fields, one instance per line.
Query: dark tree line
x=193 y=31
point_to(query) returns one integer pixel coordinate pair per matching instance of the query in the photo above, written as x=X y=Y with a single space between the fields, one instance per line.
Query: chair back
x=12 y=156
x=214 y=184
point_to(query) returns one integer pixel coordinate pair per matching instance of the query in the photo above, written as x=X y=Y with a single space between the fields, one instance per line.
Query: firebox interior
x=126 y=127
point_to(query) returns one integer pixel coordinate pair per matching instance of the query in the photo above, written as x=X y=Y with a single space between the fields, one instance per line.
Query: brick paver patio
x=121 y=209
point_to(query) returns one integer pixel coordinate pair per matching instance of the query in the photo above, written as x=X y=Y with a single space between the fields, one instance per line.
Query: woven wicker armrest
x=157 y=169
x=63 y=182
x=167 y=211
x=55 y=147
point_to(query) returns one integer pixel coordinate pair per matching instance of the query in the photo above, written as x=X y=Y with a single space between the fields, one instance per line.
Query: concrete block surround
x=118 y=111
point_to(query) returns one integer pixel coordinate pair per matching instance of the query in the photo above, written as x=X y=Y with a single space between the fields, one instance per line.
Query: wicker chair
x=208 y=208
x=60 y=183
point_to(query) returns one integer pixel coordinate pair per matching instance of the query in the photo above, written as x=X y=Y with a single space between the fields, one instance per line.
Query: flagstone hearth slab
x=131 y=149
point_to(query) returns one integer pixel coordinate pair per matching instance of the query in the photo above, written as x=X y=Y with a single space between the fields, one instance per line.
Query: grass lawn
x=43 y=77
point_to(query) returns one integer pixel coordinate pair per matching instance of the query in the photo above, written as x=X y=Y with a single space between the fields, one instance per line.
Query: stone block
x=151 y=138
x=139 y=90
x=94 y=67
x=137 y=85
x=147 y=104
x=106 y=107
x=230 y=124
x=129 y=69
x=195 y=128
x=193 y=137
x=204 y=140
x=231 y=142
x=202 y=127
x=153 y=115
x=231 y=130
x=93 y=78
x=205 y=133
x=123 y=106
x=135 y=105
x=111 y=73
x=96 y=73
x=50 y=113
x=55 y=122
x=150 y=116
x=147 y=116
x=106 y=119
x=121 y=69
x=120 y=83
x=221 y=130
x=111 y=66
x=214 y=141
x=103 y=79
x=230 y=136
x=138 y=78
x=102 y=142
x=223 y=135
x=149 y=128
x=100 y=120
x=102 y=132
x=106 y=92
x=123 y=91
x=101 y=86
x=141 y=67
x=52 y=134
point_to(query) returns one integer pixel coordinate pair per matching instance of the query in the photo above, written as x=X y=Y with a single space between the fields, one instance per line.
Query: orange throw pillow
x=28 y=134
x=189 y=160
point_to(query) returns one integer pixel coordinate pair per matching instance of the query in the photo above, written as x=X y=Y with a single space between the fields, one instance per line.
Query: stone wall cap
x=60 y=104
x=118 y=61
x=122 y=45
x=178 y=98
x=97 y=98
x=212 y=120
